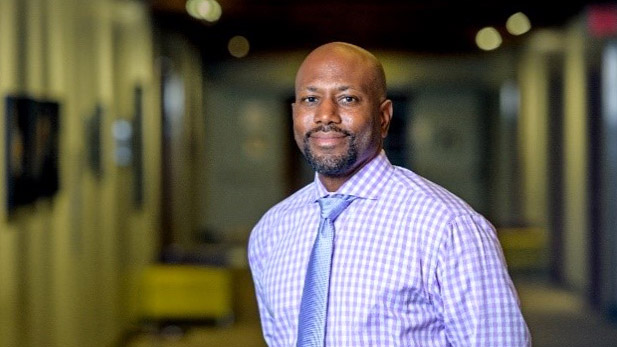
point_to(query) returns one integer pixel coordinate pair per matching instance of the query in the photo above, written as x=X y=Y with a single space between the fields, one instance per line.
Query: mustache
x=327 y=128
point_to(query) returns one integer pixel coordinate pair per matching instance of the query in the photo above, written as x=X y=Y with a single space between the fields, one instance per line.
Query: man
x=407 y=264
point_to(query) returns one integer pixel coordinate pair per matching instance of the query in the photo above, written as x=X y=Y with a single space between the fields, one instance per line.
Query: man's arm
x=256 y=254
x=480 y=304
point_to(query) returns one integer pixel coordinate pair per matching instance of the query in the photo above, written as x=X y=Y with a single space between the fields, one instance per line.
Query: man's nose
x=327 y=112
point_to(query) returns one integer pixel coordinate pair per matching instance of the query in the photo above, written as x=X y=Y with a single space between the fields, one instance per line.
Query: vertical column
x=507 y=190
x=8 y=235
x=608 y=167
x=62 y=60
x=533 y=81
x=575 y=161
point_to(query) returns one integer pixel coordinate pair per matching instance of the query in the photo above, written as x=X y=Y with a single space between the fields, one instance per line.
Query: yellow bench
x=524 y=248
x=185 y=292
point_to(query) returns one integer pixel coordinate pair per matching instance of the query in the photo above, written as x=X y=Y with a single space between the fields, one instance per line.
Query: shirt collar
x=367 y=183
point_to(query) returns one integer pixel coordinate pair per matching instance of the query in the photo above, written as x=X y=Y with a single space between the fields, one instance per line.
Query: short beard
x=332 y=166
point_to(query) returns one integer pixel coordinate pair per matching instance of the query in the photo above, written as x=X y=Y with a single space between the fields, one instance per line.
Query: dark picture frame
x=32 y=150
x=137 y=147
x=93 y=139
x=45 y=146
x=19 y=136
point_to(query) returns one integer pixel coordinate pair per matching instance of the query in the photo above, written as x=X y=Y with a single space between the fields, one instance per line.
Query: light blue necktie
x=314 y=304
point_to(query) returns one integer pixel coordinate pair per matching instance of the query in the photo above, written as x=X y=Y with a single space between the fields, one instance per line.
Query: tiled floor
x=240 y=335
x=559 y=318
x=555 y=316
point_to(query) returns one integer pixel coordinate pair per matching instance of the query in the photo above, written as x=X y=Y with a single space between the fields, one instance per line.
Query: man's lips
x=327 y=139
x=327 y=135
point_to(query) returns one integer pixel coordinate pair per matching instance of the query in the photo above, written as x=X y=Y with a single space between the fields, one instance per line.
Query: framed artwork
x=32 y=143
x=93 y=139
x=137 y=147
x=20 y=125
x=45 y=147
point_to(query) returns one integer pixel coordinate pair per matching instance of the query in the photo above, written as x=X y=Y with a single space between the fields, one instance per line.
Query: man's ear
x=385 y=116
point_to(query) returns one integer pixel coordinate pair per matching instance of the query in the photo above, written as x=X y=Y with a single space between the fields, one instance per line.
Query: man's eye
x=348 y=99
x=309 y=99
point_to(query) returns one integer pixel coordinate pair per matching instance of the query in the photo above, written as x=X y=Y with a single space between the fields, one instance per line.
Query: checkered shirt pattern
x=413 y=265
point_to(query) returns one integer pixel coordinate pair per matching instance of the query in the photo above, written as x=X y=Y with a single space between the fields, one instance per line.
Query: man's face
x=336 y=114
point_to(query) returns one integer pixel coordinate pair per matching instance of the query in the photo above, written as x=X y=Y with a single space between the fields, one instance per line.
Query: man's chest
x=374 y=269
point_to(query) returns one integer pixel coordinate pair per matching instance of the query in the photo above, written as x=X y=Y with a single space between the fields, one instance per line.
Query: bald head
x=346 y=53
x=341 y=114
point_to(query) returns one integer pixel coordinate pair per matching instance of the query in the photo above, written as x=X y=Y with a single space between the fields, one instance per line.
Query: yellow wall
x=576 y=158
x=185 y=120
x=67 y=264
x=533 y=131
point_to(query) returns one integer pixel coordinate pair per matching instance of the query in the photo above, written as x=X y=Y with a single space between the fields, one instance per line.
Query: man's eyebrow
x=315 y=89
x=311 y=89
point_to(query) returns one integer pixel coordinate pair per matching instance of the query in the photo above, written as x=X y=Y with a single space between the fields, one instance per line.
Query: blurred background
x=141 y=140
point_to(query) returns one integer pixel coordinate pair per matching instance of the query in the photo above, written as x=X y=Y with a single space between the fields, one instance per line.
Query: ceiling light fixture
x=238 y=46
x=518 y=24
x=208 y=10
x=488 y=39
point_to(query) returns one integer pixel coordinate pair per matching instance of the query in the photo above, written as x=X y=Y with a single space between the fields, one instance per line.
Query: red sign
x=602 y=20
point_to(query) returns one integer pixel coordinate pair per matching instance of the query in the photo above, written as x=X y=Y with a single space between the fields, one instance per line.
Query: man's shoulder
x=299 y=198
x=267 y=228
x=429 y=192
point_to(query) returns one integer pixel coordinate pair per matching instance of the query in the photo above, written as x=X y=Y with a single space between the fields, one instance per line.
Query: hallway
x=556 y=318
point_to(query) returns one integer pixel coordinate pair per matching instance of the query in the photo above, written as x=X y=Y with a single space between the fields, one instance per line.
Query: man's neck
x=333 y=183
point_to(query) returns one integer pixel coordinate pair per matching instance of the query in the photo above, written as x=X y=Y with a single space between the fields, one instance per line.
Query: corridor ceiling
x=431 y=27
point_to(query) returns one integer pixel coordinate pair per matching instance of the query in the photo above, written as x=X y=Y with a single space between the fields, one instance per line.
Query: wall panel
x=64 y=264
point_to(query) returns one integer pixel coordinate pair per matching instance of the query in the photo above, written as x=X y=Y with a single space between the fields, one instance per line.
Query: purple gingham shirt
x=413 y=265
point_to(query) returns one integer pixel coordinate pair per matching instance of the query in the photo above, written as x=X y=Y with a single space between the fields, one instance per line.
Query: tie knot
x=333 y=205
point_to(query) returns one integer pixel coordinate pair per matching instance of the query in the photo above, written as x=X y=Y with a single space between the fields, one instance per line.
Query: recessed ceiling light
x=208 y=10
x=238 y=46
x=488 y=39
x=518 y=24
